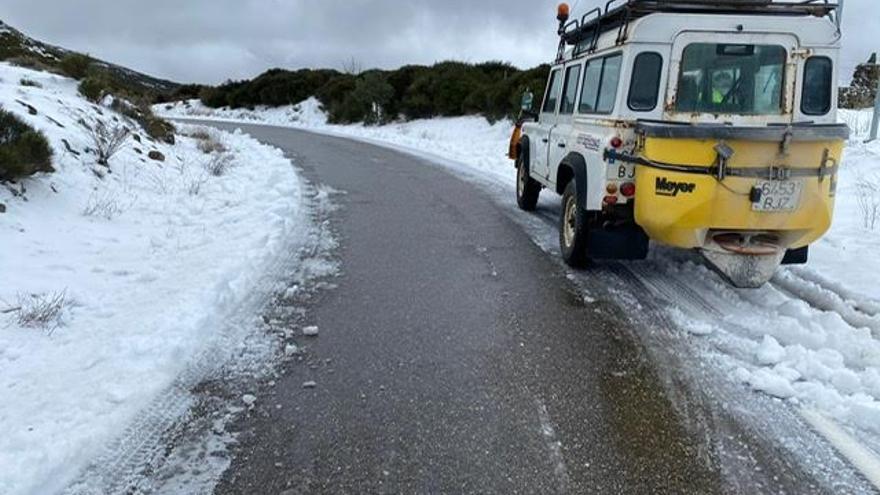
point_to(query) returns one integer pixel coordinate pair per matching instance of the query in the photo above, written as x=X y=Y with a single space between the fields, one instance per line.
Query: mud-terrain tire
x=527 y=189
x=574 y=227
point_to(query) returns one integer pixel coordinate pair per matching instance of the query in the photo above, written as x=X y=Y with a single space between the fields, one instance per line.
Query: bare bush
x=194 y=184
x=211 y=146
x=219 y=164
x=352 y=67
x=207 y=141
x=868 y=199
x=160 y=182
x=104 y=206
x=30 y=83
x=107 y=140
x=43 y=311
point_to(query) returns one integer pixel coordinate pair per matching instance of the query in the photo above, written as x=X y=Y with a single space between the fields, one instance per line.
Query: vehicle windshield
x=733 y=79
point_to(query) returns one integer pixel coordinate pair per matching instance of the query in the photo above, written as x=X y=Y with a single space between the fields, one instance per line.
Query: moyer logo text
x=666 y=187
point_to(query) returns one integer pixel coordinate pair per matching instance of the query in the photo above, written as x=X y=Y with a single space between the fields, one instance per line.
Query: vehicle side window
x=569 y=94
x=600 y=85
x=644 y=88
x=552 y=96
x=818 y=76
x=590 y=89
x=610 y=82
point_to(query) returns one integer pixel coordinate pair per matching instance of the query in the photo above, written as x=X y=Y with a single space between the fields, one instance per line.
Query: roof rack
x=584 y=32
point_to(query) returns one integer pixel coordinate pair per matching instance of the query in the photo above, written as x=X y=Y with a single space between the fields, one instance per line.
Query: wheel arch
x=573 y=168
x=523 y=148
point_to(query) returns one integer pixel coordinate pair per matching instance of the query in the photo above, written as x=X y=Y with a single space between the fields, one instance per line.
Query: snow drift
x=139 y=264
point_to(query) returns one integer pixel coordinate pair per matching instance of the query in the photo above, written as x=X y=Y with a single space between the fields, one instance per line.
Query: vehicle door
x=561 y=133
x=540 y=134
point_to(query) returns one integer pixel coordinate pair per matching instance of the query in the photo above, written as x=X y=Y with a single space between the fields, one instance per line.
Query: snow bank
x=147 y=257
x=471 y=141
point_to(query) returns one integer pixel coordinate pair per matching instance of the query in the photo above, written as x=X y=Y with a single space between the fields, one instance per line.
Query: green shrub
x=76 y=65
x=159 y=129
x=213 y=97
x=94 y=88
x=155 y=127
x=24 y=151
x=30 y=83
x=491 y=89
x=35 y=63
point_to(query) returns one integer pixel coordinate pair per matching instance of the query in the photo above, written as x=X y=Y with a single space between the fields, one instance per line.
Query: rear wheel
x=573 y=229
x=527 y=189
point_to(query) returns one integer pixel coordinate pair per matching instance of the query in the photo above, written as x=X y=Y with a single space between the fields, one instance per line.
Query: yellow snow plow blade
x=744 y=194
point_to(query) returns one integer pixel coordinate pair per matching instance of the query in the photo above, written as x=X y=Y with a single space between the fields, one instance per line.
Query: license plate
x=621 y=171
x=778 y=195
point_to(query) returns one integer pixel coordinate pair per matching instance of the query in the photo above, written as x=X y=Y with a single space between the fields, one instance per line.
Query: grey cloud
x=213 y=40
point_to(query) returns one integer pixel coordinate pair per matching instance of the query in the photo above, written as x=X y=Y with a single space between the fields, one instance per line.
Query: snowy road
x=456 y=356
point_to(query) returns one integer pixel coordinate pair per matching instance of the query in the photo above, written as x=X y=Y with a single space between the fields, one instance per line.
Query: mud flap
x=621 y=243
x=745 y=271
x=796 y=256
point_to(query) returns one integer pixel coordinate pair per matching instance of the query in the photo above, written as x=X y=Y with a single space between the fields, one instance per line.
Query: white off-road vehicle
x=698 y=124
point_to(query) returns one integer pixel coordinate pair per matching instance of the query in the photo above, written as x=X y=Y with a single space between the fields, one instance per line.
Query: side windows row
x=602 y=77
x=600 y=85
x=600 y=82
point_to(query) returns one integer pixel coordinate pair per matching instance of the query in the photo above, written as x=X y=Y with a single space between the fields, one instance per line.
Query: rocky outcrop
x=863 y=90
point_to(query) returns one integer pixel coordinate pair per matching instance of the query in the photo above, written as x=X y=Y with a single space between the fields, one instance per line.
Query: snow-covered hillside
x=117 y=280
x=811 y=337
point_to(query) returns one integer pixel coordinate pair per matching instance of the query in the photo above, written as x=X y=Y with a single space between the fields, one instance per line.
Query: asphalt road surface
x=456 y=357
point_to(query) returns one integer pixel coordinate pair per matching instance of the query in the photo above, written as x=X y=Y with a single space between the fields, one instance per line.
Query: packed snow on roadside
x=113 y=278
x=811 y=337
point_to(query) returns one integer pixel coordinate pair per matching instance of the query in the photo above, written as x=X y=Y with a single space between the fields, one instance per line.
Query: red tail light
x=616 y=142
x=628 y=189
x=610 y=200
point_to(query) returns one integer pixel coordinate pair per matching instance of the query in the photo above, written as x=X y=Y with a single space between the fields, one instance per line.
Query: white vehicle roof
x=636 y=22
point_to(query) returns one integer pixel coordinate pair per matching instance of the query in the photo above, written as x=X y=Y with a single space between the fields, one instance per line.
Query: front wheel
x=573 y=229
x=527 y=189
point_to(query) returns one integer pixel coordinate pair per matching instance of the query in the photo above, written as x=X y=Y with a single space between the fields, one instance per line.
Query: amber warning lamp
x=562 y=12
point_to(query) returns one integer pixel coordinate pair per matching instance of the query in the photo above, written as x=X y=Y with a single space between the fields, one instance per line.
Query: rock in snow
x=310 y=331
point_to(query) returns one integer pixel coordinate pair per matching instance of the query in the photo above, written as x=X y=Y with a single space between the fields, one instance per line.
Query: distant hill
x=20 y=49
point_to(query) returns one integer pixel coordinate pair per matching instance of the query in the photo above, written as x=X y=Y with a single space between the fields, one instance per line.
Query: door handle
x=561 y=145
x=545 y=140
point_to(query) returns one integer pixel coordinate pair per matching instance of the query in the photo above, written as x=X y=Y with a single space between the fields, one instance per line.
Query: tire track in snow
x=128 y=463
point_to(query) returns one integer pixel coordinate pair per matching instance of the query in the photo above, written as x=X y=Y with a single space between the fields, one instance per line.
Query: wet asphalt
x=454 y=357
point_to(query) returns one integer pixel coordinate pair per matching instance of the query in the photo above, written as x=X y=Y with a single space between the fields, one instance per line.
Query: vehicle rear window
x=552 y=96
x=569 y=94
x=644 y=88
x=818 y=77
x=600 y=85
x=731 y=78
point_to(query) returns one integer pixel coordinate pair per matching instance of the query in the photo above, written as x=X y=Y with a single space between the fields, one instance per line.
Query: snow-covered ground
x=810 y=338
x=115 y=281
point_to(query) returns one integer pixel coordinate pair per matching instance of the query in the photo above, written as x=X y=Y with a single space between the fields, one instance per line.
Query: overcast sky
x=209 y=41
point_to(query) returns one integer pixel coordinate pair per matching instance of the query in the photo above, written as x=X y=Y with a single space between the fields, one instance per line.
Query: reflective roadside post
x=875 y=124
